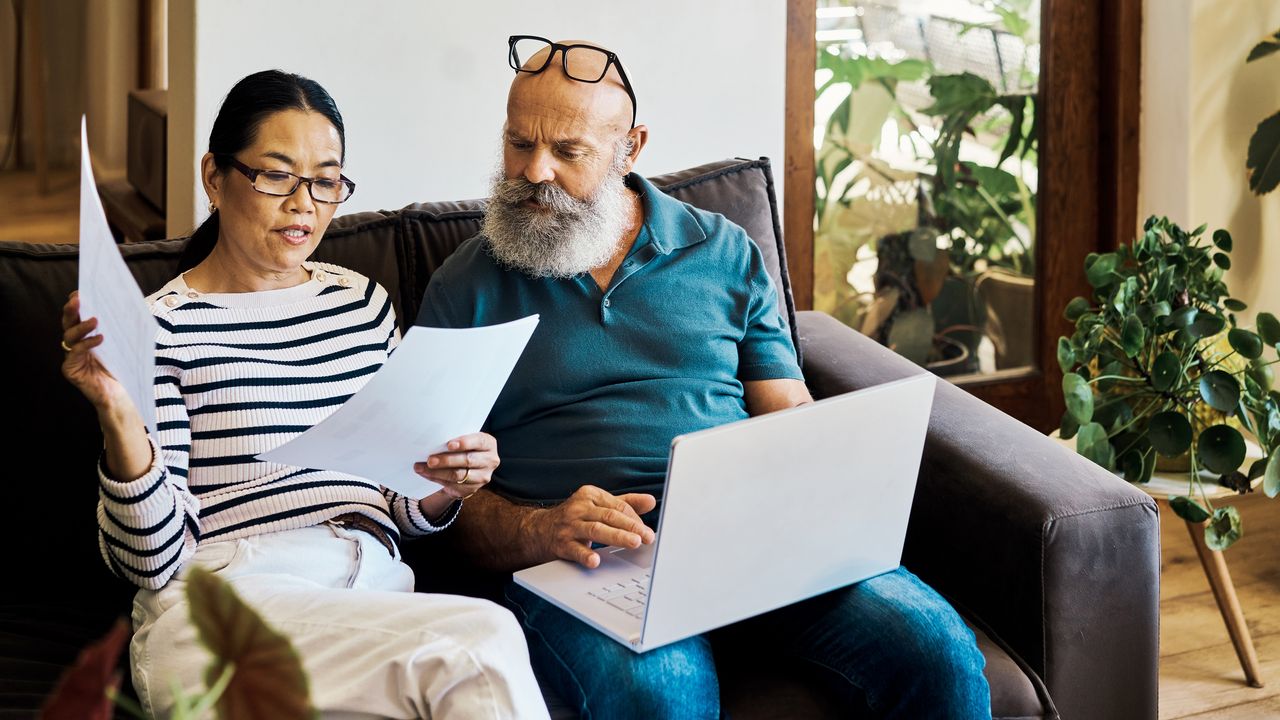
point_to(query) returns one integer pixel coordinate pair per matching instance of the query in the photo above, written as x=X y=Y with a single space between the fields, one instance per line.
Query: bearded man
x=658 y=319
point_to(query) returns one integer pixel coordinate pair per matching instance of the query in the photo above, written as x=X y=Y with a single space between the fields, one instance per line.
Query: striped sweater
x=238 y=374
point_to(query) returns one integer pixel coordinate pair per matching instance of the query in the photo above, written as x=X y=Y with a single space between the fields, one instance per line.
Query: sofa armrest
x=1059 y=557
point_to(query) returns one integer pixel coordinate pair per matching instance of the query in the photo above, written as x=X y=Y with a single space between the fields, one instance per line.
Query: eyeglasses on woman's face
x=282 y=184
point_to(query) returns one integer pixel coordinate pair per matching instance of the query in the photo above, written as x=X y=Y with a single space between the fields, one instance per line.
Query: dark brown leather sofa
x=1054 y=562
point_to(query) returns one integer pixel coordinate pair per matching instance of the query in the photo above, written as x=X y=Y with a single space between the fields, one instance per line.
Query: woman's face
x=272 y=235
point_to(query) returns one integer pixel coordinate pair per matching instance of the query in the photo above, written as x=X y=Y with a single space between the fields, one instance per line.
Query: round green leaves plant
x=1144 y=376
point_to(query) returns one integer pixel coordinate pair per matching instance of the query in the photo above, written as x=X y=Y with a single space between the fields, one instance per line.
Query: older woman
x=255 y=345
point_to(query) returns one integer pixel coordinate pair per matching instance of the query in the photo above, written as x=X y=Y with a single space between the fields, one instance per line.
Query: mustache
x=515 y=191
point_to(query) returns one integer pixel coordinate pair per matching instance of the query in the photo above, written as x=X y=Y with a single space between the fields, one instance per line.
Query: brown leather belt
x=356 y=521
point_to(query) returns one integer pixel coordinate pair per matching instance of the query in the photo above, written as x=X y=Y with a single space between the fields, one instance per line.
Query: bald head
x=564 y=129
x=603 y=106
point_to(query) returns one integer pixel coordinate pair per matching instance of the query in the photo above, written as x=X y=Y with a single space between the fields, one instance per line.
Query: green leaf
x=1138 y=466
x=1068 y=428
x=1206 y=325
x=1223 y=529
x=1262 y=374
x=1222 y=260
x=1264 y=156
x=1066 y=354
x=1101 y=271
x=1079 y=397
x=1222 y=239
x=965 y=92
x=269 y=681
x=1220 y=390
x=1265 y=48
x=1077 y=307
x=1165 y=371
x=1017 y=109
x=1184 y=316
x=1235 y=305
x=1246 y=343
x=1271 y=478
x=1268 y=328
x=1092 y=443
x=1188 y=509
x=1132 y=335
x=1221 y=449
x=1169 y=433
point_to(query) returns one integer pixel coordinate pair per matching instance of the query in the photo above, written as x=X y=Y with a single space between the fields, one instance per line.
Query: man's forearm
x=498 y=535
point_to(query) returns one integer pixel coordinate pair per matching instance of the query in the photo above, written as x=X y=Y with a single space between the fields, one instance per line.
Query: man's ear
x=211 y=178
x=639 y=136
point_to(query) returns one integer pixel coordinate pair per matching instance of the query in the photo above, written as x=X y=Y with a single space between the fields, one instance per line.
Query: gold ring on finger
x=65 y=346
x=465 y=476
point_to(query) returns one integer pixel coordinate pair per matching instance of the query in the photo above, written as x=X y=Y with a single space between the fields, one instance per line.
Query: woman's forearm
x=128 y=452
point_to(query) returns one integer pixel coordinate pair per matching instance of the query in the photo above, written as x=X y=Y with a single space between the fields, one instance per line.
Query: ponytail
x=200 y=244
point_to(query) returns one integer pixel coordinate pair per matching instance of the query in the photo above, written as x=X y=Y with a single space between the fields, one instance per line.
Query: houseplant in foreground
x=1159 y=366
x=255 y=674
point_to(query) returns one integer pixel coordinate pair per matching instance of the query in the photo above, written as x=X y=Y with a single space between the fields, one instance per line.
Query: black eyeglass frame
x=253 y=173
x=611 y=59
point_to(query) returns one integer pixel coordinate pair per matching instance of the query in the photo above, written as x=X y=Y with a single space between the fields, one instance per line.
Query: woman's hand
x=128 y=452
x=466 y=466
x=82 y=367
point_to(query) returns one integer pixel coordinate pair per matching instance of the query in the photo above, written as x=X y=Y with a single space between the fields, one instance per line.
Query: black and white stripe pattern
x=236 y=375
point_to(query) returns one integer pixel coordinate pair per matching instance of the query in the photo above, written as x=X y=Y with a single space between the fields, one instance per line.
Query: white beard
x=563 y=238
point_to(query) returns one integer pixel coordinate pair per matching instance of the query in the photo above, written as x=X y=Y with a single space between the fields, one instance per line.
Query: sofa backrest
x=52 y=439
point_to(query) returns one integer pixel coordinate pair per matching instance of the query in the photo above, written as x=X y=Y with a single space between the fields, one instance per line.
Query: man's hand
x=591 y=515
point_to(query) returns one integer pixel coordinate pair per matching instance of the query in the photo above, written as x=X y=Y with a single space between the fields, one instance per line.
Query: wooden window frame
x=1088 y=184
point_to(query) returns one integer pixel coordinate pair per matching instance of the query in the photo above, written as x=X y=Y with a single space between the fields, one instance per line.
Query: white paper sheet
x=109 y=293
x=438 y=384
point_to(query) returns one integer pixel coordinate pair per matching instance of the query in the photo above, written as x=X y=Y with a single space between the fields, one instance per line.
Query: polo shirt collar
x=670 y=223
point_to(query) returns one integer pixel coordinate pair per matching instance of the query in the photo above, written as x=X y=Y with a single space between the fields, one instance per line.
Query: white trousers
x=371 y=646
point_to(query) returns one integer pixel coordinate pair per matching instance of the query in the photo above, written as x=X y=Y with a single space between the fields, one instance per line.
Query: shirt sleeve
x=407 y=514
x=148 y=527
x=765 y=351
x=437 y=310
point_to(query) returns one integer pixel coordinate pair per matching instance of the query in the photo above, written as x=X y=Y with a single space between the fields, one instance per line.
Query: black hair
x=252 y=100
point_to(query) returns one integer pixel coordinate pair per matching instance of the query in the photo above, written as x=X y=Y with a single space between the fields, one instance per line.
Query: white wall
x=422 y=85
x=1200 y=105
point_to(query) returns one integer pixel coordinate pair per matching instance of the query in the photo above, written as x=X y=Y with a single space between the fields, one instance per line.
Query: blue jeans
x=890 y=645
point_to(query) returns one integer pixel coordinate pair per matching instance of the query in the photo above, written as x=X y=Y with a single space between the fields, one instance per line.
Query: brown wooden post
x=798 y=166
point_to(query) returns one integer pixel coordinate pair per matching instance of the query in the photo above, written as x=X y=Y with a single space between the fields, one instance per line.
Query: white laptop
x=760 y=514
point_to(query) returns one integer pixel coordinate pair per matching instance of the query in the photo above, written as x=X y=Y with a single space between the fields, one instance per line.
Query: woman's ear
x=211 y=178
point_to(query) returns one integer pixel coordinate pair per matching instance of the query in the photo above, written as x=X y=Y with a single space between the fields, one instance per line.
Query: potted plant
x=938 y=226
x=254 y=673
x=1158 y=365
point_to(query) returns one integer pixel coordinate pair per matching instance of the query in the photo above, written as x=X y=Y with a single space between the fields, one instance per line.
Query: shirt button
x=344 y=281
x=171 y=301
x=321 y=277
x=606 y=302
x=193 y=294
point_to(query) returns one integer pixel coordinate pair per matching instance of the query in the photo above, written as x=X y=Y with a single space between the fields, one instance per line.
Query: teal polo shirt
x=610 y=377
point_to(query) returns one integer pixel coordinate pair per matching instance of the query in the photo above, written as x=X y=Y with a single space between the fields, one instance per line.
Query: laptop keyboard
x=627 y=596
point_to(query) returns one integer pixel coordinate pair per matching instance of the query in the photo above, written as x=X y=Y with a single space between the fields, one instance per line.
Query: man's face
x=559 y=206
x=554 y=135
